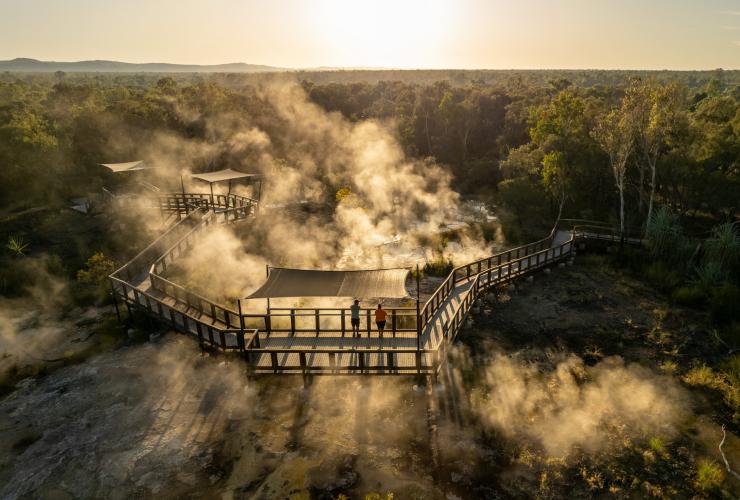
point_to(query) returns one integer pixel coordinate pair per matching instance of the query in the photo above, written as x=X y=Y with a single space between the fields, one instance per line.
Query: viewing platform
x=302 y=340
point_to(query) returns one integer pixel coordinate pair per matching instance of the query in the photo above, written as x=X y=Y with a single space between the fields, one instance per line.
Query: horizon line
x=282 y=69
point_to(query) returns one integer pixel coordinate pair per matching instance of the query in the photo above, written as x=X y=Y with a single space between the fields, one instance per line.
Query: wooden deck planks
x=332 y=352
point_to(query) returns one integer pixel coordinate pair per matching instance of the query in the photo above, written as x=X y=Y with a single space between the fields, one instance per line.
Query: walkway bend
x=315 y=340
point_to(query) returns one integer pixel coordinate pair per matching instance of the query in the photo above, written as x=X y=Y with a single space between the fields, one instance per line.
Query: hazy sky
x=673 y=34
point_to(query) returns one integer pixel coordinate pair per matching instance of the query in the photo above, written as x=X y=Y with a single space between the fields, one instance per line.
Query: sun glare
x=385 y=33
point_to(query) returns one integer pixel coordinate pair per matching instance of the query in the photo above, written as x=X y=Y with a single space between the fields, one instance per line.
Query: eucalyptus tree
x=614 y=132
x=657 y=111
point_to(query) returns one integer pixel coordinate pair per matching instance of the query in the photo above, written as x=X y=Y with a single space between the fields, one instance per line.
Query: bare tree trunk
x=621 y=209
x=641 y=190
x=653 y=166
x=426 y=130
x=620 y=169
x=465 y=145
x=562 y=204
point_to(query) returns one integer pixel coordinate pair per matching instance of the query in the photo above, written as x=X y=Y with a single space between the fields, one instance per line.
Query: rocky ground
x=161 y=420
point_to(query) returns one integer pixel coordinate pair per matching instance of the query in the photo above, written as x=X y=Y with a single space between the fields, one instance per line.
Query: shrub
x=628 y=257
x=656 y=444
x=438 y=267
x=724 y=303
x=703 y=375
x=97 y=269
x=731 y=371
x=731 y=368
x=95 y=276
x=709 y=476
x=665 y=237
x=670 y=367
x=662 y=277
x=688 y=296
x=724 y=247
x=708 y=276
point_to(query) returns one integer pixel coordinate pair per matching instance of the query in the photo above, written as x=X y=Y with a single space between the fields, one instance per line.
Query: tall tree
x=657 y=109
x=614 y=132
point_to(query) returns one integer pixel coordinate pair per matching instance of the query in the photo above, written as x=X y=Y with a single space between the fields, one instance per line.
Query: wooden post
x=292 y=321
x=115 y=301
x=343 y=321
x=268 y=322
x=318 y=322
x=241 y=317
x=418 y=310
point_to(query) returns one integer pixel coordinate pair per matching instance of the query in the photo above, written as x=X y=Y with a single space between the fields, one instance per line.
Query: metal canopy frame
x=226 y=175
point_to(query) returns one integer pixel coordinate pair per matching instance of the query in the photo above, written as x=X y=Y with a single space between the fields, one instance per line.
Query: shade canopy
x=222 y=176
x=282 y=282
x=130 y=166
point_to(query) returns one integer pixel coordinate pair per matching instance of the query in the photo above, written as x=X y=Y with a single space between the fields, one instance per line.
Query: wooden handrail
x=483 y=273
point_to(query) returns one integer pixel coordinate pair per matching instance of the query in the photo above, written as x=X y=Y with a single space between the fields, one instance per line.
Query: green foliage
x=662 y=277
x=440 y=266
x=731 y=368
x=656 y=444
x=709 y=476
x=689 y=296
x=94 y=278
x=521 y=198
x=628 y=257
x=723 y=247
x=97 y=269
x=708 y=276
x=379 y=496
x=17 y=245
x=665 y=237
x=724 y=303
x=703 y=376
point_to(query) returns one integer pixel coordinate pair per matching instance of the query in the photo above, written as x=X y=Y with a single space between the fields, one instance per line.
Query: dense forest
x=531 y=143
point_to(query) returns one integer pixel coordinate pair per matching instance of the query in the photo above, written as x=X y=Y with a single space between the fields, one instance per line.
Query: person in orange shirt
x=380 y=315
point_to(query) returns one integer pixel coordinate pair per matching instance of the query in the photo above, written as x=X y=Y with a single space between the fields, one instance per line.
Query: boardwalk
x=317 y=341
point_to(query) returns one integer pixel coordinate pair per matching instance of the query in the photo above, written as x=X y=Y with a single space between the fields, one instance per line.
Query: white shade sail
x=282 y=282
x=130 y=166
x=222 y=176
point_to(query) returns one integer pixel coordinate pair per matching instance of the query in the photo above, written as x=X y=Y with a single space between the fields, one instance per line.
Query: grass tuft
x=709 y=476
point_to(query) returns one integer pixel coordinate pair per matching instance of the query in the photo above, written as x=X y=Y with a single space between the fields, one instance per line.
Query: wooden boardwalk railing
x=303 y=340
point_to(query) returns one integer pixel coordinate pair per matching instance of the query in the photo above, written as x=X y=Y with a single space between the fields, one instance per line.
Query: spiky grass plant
x=708 y=276
x=665 y=237
x=17 y=245
x=724 y=247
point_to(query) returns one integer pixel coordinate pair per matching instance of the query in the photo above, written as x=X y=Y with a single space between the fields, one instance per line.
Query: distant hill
x=34 y=66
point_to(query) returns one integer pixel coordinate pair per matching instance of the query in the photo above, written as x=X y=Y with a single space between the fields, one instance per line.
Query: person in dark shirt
x=355 y=318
